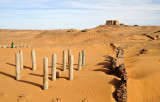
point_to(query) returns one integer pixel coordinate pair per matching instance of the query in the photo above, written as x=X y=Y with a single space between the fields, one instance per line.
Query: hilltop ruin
x=112 y=22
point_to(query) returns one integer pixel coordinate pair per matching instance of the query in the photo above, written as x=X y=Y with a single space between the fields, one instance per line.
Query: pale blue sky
x=78 y=14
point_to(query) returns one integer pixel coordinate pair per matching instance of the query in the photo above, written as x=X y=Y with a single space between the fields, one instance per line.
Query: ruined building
x=112 y=22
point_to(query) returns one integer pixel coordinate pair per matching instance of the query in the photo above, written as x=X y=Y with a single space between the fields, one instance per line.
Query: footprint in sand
x=2 y=94
x=57 y=100
x=85 y=100
x=23 y=98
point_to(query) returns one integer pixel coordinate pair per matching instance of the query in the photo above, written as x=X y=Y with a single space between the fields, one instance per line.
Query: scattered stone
x=85 y=30
x=149 y=36
x=15 y=46
x=122 y=93
x=56 y=100
x=122 y=24
x=157 y=31
x=85 y=100
x=24 y=98
x=71 y=30
x=24 y=46
x=4 y=46
x=102 y=31
x=122 y=90
x=113 y=46
x=144 y=51
x=124 y=78
x=158 y=37
x=28 y=45
x=121 y=70
x=8 y=46
x=21 y=46
x=113 y=64
x=118 y=68
x=120 y=52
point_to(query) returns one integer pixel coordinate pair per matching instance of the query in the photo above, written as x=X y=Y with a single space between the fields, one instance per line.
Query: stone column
x=21 y=59
x=71 y=68
x=18 y=72
x=69 y=54
x=45 y=73
x=83 y=57
x=53 y=67
x=64 y=60
x=80 y=61
x=33 y=59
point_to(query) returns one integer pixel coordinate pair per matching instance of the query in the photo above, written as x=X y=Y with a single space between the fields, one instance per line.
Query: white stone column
x=33 y=59
x=80 y=61
x=64 y=60
x=45 y=73
x=53 y=67
x=69 y=54
x=18 y=71
x=71 y=68
x=21 y=59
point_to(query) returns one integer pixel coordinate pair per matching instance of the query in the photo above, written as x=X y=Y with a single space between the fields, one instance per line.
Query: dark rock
x=120 y=70
x=85 y=30
x=124 y=78
x=120 y=52
x=144 y=51
x=113 y=63
x=112 y=45
x=158 y=37
x=122 y=93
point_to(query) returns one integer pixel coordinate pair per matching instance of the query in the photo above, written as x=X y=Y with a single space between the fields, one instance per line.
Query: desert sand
x=93 y=83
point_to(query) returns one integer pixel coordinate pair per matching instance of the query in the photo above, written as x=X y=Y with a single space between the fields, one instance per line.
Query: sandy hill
x=93 y=83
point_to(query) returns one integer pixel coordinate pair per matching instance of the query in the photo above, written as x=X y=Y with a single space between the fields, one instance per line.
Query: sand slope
x=93 y=83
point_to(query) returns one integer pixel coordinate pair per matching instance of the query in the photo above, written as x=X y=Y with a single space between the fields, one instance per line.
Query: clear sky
x=78 y=14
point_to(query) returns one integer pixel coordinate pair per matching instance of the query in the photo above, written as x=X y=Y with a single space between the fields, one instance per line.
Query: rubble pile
x=118 y=69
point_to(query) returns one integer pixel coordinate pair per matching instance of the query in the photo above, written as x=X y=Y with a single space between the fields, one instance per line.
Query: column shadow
x=49 y=76
x=25 y=67
x=11 y=76
x=24 y=81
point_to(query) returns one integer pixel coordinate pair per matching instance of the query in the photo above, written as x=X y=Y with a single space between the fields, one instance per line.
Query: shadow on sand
x=106 y=65
x=106 y=68
x=25 y=67
x=116 y=83
x=49 y=76
x=24 y=81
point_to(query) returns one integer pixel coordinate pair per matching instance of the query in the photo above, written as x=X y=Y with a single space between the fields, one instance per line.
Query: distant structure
x=112 y=22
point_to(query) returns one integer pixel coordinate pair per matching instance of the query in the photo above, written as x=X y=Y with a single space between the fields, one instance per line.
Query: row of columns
x=19 y=65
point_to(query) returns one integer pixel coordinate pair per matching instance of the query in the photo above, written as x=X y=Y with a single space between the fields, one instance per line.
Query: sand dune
x=93 y=83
